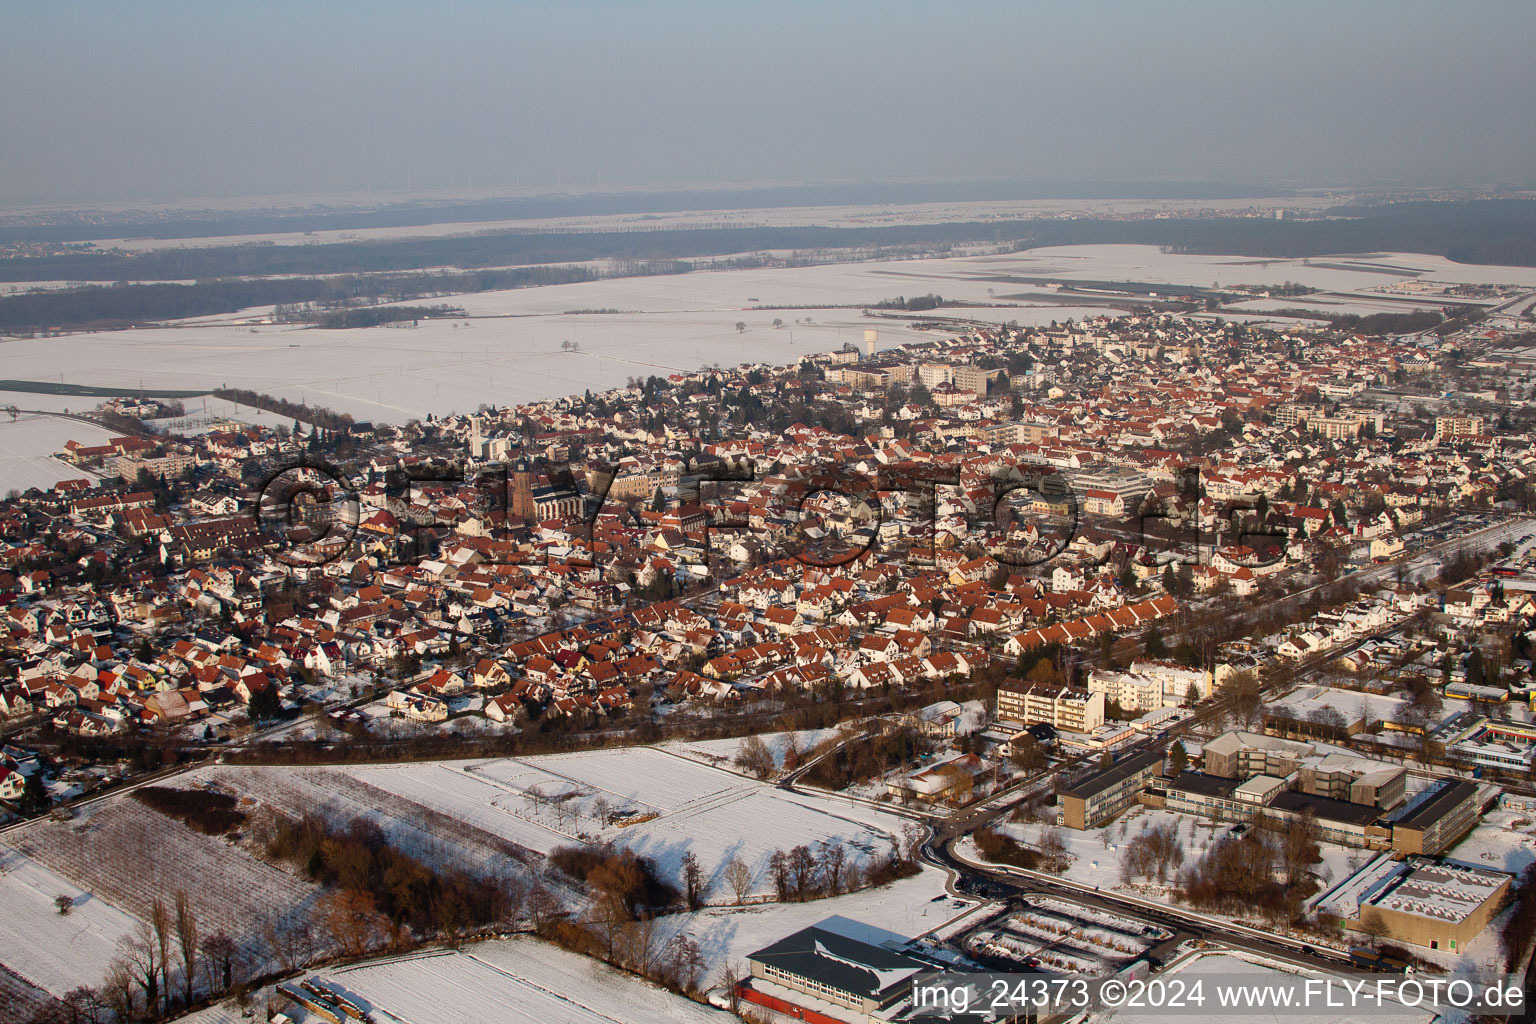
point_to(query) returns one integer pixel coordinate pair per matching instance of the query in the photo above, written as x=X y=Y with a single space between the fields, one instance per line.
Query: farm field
x=772 y=216
x=427 y=831
x=722 y=753
x=54 y=952
x=27 y=445
x=128 y=855
x=510 y=348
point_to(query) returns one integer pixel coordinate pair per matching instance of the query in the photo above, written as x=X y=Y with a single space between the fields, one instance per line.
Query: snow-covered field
x=1504 y=841
x=1095 y=853
x=129 y=855
x=502 y=981
x=510 y=351
x=777 y=216
x=722 y=753
x=27 y=445
x=53 y=951
x=658 y=804
x=513 y=981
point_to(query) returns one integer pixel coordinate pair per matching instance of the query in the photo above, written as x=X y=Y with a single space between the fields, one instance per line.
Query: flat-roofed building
x=1092 y=799
x=1062 y=707
x=1181 y=684
x=1209 y=796
x=1432 y=824
x=1236 y=754
x=1447 y=427
x=1338 y=821
x=1128 y=690
x=1439 y=905
x=1359 y=780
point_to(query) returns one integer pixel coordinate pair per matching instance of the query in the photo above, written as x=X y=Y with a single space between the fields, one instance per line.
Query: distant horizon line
x=965 y=189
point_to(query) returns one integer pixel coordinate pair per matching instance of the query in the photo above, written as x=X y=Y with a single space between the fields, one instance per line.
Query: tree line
x=103 y=307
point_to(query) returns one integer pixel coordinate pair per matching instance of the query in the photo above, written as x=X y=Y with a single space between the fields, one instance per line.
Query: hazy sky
x=167 y=101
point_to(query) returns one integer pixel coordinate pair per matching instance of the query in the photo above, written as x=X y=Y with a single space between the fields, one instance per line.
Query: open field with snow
x=426 y=830
x=722 y=753
x=27 y=445
x=509 y=350
x=513 y=981
x=502 y=981
x=52 y=951
x=1095 y=853
x=657 y=804
x=129 y=855
x=1503 y=841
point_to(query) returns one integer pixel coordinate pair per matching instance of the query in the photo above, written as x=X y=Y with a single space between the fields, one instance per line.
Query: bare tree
x=219 y=952
x=1373 y=924
x=543 y=906
x=739 y=877
x=160 y=920
x=1053 y=849
x=802 y=871
x=755 y=757
x=81 y=1005
x=186 y=941
x=354 y=921
x=117 y=989
x=683 y=961
x=695 y=885
x=778 y=868
x=514 y=896
x=635 y=947
x=832 y=864
x=912 y=837
x=731 y=974
x=291 y=942
x=137 y=954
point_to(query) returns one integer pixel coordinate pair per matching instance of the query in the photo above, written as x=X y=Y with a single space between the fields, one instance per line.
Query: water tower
x=870 y=334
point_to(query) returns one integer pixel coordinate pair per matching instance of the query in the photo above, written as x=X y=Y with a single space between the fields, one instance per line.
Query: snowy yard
x=1504 y=841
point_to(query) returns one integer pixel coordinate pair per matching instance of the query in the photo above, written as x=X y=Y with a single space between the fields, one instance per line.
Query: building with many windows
x=824 y=975
x=1437 y=818
x=1447 y=427
x=1062 y=707
x=1092 y=799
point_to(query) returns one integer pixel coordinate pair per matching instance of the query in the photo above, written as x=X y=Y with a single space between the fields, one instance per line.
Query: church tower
x=522 y=490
